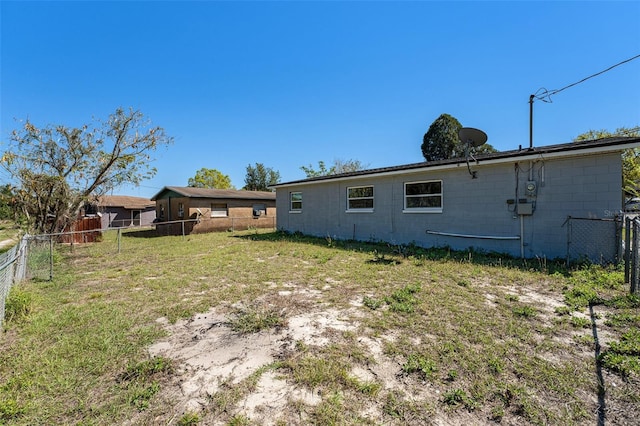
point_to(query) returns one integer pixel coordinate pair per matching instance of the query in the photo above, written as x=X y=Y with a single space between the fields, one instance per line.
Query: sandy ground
x=6 y=243
x=209 y=354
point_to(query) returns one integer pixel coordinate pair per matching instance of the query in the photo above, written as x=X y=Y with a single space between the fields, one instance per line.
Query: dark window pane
x=366 y=191
x=423 y=188
x=424 y=202
x=366 y=203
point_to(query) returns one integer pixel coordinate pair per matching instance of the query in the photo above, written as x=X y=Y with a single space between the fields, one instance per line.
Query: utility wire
x=545 y=96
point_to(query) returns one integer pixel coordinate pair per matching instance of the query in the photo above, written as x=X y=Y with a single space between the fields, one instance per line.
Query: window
x=259 y=210
x=295 y=199
x=161 y=212
x=219 y=210
x=136 y=217
x=360 y=198
x=423 y=197
x=180 y=210
x=90 y=209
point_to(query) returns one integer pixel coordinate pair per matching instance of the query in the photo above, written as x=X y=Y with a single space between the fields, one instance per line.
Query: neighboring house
x=213 y=209
x=122 y=210
x=548 y=202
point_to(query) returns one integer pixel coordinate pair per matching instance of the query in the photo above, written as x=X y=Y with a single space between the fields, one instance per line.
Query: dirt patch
x=209 y=354
x=212 y=358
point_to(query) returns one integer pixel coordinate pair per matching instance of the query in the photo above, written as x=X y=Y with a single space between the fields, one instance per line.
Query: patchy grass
x=466 y=337
x=255 y=319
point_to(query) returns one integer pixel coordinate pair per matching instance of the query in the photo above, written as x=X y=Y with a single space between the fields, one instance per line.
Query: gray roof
x=187 y=191
x=125 y=201
x=579 y=147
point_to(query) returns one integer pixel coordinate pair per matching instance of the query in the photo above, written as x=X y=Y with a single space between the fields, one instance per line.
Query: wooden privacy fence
x=77 y=233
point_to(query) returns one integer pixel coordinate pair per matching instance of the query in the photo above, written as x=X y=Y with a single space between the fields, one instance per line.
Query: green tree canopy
x=259 y=178
x=338 y=167
x=630 y=157
x=210 y=178
x=7 y=202
x=56 y=169
x=441 y=142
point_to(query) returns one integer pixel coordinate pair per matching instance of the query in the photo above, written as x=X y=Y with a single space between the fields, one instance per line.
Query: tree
x=322 y=170
x=210 y=178
x=338 y=167
x=7 y=203
x=630 y=157
x=57 y=169
x=441 y=142
x=259 y=178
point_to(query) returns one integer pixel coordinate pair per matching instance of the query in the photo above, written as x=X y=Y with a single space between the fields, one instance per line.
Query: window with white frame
x=295 y=201
x=423 y=197
x=360 y=198
x=180 y=209
x=219 y=210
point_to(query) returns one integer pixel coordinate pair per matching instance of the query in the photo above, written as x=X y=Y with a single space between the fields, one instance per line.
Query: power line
x=545 y=95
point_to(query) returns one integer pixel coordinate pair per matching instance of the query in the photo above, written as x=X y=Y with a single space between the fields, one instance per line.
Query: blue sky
x=287 y=84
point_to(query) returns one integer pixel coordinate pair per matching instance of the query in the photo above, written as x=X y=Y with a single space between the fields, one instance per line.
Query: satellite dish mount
x=471 y=138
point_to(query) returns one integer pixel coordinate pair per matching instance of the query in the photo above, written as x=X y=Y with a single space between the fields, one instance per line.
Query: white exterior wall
x=580 y=186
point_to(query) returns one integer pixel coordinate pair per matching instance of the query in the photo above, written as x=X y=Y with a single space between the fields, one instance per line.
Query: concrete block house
x=206 y=210
x=117 y=211
x=558 y=201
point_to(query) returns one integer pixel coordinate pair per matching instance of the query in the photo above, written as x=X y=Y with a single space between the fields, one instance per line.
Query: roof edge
x=522 y=154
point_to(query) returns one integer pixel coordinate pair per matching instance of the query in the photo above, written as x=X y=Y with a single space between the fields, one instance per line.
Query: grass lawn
x=338 y=332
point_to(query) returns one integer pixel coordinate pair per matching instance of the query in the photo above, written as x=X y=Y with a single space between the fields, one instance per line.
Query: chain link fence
x=594 y=240
x=35 y=256
x=13 y=267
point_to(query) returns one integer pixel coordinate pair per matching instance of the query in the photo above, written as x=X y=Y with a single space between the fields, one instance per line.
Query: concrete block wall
x=587 y=186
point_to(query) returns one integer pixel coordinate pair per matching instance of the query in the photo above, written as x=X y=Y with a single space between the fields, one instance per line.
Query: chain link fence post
x=634 y=256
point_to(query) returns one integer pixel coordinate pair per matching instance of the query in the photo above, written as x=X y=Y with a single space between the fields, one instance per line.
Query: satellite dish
x=471 y=136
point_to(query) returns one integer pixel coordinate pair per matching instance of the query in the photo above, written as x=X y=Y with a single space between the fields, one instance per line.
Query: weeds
x=10 y=410
x=456 y=397
x=141 y=395
x=139 y=380
x=255 y=319
x=189 y=419
x=623 y=356
x=403 y=300
x=419 y=364
x=580 y=322
x=524 y=311
x=18 y=305
x=146 y=369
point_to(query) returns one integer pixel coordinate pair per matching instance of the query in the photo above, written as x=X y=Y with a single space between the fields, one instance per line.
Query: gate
x=594 y=240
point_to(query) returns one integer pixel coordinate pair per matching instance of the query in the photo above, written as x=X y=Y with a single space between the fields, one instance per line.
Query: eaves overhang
x=577 y=149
